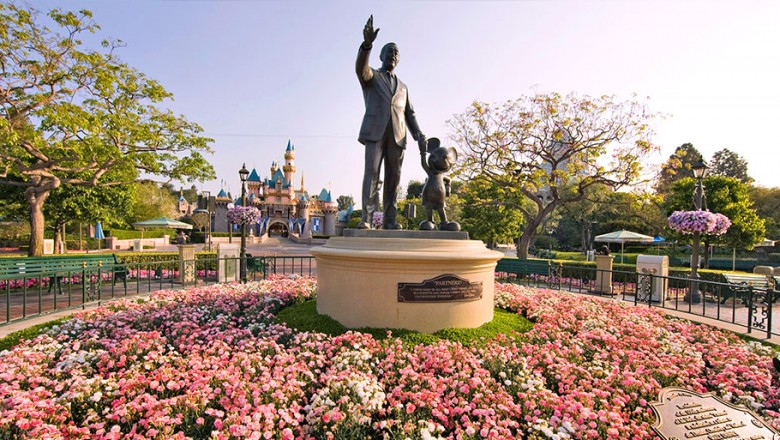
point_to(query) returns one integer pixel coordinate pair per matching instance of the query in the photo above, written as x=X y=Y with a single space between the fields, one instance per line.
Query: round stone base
x=411 y=283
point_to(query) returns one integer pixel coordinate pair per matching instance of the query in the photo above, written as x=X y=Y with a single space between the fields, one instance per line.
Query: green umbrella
x=622 y=237
x=159 y=223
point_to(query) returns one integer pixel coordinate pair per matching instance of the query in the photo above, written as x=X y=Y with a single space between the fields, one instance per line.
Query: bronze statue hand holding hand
x=369 y=34
x=422 y=143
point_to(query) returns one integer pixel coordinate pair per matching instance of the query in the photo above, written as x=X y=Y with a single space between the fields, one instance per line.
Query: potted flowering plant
x=244 y=215
x=377 y=219
x=699 y=222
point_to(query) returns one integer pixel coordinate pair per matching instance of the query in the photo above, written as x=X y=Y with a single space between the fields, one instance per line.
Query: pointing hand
x=369 y=34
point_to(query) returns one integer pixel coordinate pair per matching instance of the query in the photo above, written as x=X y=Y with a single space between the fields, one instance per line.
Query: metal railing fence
x=25 y=295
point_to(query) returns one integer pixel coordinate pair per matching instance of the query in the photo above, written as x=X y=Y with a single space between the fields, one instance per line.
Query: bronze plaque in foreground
x=683 y=414
x=443 y=288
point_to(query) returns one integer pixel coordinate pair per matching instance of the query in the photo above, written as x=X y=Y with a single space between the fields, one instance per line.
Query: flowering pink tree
x=244 y=215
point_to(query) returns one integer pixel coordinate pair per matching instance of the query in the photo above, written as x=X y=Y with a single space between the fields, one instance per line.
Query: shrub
x=167 y=260
x=123 y=234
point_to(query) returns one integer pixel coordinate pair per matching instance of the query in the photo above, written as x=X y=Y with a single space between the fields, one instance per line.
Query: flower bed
x=211 y=363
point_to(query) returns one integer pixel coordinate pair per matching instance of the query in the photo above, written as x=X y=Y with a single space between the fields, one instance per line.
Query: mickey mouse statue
x=437 y=186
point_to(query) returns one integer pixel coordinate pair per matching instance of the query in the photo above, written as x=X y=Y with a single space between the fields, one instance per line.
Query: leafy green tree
x=70 y=115
x=86 y=204
x=577 y=220
x=551 y=149
x=414 y=189
x=727 y=163
x=727 y=196
x=345 y=202
x=767 y=203
x=631 y=211
x=150 y=201
x=677 y=167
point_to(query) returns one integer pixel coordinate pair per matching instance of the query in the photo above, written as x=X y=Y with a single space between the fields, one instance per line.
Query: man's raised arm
x=362 y=68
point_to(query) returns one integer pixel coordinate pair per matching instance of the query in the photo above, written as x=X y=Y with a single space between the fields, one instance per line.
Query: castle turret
x=254 y=185
x=289 y=163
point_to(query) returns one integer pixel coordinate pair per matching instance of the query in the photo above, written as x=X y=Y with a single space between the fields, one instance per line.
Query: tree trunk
x=706 y=255
x=57 y=238
x=35 y=200
x=523 y=243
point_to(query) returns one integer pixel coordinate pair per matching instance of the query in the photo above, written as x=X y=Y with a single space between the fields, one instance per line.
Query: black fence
x=24 y=294
x=754 y=306
x=751 y=305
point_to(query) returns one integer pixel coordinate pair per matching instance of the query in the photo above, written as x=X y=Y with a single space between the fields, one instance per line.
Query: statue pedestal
x=423 y=284
x=603 y=274
x=187 y=274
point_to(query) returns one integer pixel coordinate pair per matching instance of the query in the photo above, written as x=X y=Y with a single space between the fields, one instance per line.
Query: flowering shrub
x=377 y=218
x=210 y=362
x=243 y=215
x=699 y=222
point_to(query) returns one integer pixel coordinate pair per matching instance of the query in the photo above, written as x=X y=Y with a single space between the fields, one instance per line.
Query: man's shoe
x=392 y=226
x=364 y=225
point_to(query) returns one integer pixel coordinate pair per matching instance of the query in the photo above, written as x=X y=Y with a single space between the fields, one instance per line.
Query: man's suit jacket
x=382 y=105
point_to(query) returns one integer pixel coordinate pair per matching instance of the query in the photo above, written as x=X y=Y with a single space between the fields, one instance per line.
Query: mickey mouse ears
x=433 y=143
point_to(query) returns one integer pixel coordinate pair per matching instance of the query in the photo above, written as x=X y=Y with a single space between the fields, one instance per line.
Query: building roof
x=222 y=193
x=253 y=177
x=277 y=176
x=325 y=196
x=290 y=146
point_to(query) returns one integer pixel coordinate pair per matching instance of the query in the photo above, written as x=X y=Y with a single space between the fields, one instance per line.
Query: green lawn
x=304 y=317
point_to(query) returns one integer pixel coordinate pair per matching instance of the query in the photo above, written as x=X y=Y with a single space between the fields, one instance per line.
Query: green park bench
x=742 y=286
x=57 y=267
x=525 y=268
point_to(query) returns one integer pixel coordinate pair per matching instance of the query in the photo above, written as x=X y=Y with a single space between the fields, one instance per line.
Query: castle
x=286 y=210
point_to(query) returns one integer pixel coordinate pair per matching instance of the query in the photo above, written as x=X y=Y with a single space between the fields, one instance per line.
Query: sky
x=255 y=74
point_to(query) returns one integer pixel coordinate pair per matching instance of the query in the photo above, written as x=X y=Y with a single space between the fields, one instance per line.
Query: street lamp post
x=230 y=225
x=206 y=196
x=243 y=173
x=699 y=171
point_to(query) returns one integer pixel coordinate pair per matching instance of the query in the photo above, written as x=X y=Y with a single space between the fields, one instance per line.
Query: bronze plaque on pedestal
x=443 y=288
x=682 y=415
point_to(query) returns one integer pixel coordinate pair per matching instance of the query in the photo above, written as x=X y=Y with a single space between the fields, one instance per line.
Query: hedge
x=124 y=234
x=167 y=260
x=587 y=270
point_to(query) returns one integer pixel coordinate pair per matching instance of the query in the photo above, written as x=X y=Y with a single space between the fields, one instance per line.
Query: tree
x=767 y=204
x=200 y=220
x=414 y=189
x=727 y=163
x=149 y=201
x=70 y=115
x=87 y=204
x=485 y=214
x=634 y=212
x=677 y=167
x=345 y=202
x=552 y=148
x=727 y=196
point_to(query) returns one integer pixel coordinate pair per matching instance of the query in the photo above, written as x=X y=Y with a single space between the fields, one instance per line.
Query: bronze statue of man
x=383 y=131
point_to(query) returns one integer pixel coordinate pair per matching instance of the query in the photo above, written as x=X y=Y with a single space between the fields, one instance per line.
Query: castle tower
x=304 y=208
x=330 y=210
x=289 y=164
x=254 y=186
